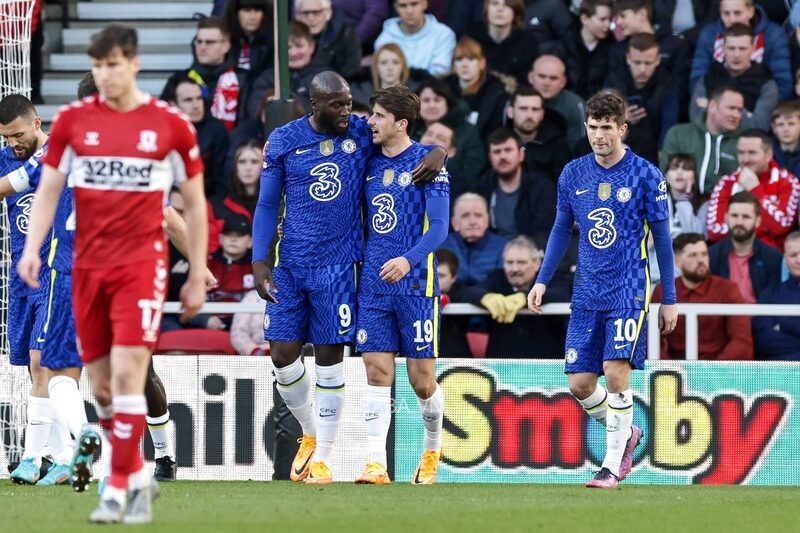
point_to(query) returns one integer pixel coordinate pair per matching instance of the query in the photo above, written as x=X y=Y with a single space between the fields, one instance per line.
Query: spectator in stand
x=212 y=135
x=753 y=80
x=427 y=43
x=711 y=139
x=439 y=133
x=547 y=21
x=742 y=257
x=786 y=132
x=388 y=67
x=651 y=92
x=771 y=45
x=231 y=266
x=777 y=338
x=683 y=19
x=675 y=54
x=243 y=189
x=719 y=337
x=508 y=47
x=252 y=40
x=463 y=15
x=504 y=293
x=247 y=329
x=541 y=132
x=302 y=68
x=215 y=71
x=453 y=342
x=776 y=189
x=549 y=77
x=472 y=82
x=438 y=104
x=585 y=48
x=366 y=16
x=520 y=201
x=687 y=210
x=479 y=251
x=336 y=44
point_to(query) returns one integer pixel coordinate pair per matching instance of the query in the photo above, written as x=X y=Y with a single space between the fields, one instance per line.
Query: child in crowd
x=786 y=129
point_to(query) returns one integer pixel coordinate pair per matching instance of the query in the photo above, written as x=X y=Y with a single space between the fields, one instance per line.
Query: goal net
x=15 y=77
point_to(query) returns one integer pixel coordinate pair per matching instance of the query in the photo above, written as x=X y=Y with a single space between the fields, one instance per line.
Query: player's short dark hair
x=446 y=257
x=501 y=135
x=745 y=197
x=589 y=7
x=87 y=86
x=15 y=106
x=605 y=105
x=739 y=29
x=683 y=240
x=112 y=36
x=400 y=101
x=634 y=5
x=523 y=90
x=643 y=42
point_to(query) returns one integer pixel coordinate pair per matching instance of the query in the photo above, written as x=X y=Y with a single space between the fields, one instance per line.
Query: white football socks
x=330 y=401
x=432 y=410
x=377 y=419
x=67 y=403
x=596 y=404
x=162 y=431
x=294 y=388
x=40 y=416
x=618 y=428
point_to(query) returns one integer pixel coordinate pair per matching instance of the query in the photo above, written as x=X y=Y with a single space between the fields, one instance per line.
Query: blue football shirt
x=61 y=246
x=397 y=220
x=321 y=177
x=612 y=208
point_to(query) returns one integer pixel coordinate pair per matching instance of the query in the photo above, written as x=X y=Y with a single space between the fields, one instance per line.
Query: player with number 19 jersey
x=613 y=208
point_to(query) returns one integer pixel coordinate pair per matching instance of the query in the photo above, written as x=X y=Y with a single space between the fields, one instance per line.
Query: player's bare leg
x=422 y=376
x=160 y=426
x=329 y=398
x=40 y=417
x=377 y=415
x=295 y=388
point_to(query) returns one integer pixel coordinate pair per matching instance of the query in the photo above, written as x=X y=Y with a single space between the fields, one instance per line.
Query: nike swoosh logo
x=300 y=471
x=581 y=191
x=420 y=348
x=620 y=346
x=343 y=331
x=300 y=151
x=416 y=477
x=370 y=419
x=371 y=177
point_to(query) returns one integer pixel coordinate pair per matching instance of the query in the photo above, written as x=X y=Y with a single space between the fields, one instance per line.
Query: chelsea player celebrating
x=615 y=197
x=317 y=163
x=399 y=294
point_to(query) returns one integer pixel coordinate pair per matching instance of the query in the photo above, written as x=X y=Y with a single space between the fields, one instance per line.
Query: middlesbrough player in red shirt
x=122 y=150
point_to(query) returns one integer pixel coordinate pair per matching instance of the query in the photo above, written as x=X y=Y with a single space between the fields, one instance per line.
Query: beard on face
x=740 y=234
x=698 y=275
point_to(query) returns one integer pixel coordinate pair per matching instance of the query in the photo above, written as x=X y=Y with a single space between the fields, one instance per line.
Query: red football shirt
x=121 y=166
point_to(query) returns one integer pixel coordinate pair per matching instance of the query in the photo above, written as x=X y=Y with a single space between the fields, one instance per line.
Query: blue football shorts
x=597 y=336
x=60 y=349
x=315 y=304
x=408 y=325
x=27 y=313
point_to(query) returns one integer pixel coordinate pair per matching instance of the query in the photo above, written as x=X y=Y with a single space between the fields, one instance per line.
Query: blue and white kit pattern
x=322 y=180
x=399 y=323
x=597 y=336
x=613 y=208
x=315 y=304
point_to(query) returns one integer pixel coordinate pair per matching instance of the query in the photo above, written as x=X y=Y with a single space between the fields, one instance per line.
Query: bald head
x=326 y=83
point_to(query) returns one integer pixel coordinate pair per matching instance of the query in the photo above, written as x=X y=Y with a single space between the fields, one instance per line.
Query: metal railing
x=690 y=311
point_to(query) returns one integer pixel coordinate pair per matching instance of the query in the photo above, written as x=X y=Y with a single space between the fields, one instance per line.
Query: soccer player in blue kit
x=398 y=298
x=50 y=412
x=616 y=198
x=317 y=163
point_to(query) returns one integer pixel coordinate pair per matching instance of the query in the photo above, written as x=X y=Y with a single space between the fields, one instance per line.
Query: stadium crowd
x=713 y=94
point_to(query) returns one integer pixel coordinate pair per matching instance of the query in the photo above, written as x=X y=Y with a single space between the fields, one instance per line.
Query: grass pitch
x=222 y=506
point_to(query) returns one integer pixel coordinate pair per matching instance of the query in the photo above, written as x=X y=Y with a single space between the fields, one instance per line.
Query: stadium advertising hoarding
x=704 y=423
x=505 y=421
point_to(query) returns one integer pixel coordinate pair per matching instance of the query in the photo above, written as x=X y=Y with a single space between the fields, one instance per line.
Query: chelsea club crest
x=348 y=146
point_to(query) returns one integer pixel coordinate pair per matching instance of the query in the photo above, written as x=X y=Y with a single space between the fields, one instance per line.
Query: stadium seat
x=477 y=343
x=195 y=342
